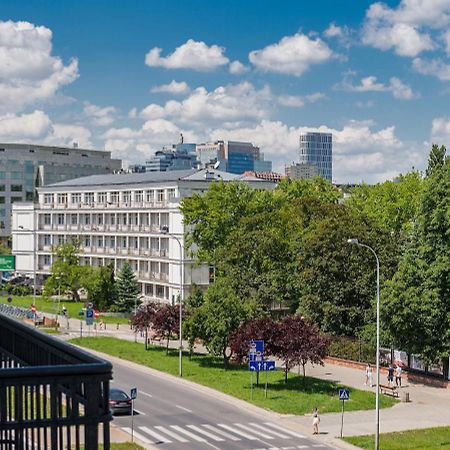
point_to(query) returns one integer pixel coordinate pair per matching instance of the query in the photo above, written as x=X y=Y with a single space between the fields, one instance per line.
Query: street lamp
x=165 y=230
x=34 y=260
x=377 y=394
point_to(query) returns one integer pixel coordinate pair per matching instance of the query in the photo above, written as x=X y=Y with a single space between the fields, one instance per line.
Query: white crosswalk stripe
x=284 y=430
x=188 y=433
x=205 y=433
x=159 y=437
x=140 y=436
x=221 y=432
x=171 y=434
x=275 y=433
x=252 y=430
x=238 y=432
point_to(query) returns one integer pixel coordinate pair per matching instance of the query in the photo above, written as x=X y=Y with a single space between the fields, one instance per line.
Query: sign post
x=33 y=310
x=133 y=395
x=89 y=318
x=7 y=262
x=260 y=366
x=344 y=395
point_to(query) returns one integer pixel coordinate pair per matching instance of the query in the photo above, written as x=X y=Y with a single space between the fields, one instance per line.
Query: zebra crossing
x=219 y=432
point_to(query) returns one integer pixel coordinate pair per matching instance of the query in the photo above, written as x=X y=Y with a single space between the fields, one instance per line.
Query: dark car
x=119 y=402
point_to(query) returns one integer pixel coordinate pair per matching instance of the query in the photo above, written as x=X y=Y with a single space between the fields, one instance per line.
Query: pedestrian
x=368 y=375
x=390 y=376
x=398 y=377
x=316 y=421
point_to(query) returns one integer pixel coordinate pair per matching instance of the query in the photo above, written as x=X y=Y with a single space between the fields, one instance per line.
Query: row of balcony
x=116 y=251
x=101 y=228
x=108 y=205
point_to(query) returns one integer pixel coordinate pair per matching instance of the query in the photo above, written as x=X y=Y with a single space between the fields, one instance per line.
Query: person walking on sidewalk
x=398 y=377
x=316 y=421
x=390 y=376
x=368 y=375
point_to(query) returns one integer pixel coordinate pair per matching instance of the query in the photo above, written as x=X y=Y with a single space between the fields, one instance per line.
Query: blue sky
x=130 y=76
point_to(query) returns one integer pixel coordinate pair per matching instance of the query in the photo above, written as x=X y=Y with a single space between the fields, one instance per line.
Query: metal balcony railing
x=52 y=394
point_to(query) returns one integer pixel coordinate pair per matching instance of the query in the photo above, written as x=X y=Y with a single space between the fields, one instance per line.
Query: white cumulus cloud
x=174 y=87
x=237 y=68
x=29 y=73
x=24 y=127
x=440 y=131
x=292 y=55
x=98 y=115
x=192 y=54
x=435 y=67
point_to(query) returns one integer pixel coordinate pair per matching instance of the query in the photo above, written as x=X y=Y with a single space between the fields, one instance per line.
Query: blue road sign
x=261 y=366
x=256 y=352
x=133 y=393
x=344 y=394
x=89 y=316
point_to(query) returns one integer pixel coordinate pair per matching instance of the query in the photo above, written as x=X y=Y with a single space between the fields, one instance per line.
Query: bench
x=389 y=390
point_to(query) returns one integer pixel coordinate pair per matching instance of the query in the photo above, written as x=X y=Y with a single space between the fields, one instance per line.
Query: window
x=89 y=198
x=126 y=196
x=87 y=241
x=29 y=196
x=62 y=199
x=102 y=197
x=139 y=196
x=47 y=260
x=60 y=219
x=150 y=196
x=47 y=239
x=2 y=200
x=100 y=241
x=16 y=188
x=60 y=239
x=75 y=198
x=16 y=199
x=160 y=195
x=47 y=219
x=16 y=175
x=74 y=219
x=2 y=187
x=170 y=193
x=48 y=199
x=114 y=197
x=87 y=219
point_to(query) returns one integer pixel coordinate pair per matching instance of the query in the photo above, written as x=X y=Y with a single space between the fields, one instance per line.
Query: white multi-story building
x=316 y=149
x=117 y=218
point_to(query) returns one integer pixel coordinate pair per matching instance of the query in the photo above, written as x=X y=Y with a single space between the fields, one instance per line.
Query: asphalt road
x=173 y=416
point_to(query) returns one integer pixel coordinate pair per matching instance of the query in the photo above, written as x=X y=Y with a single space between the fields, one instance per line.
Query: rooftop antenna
x=181 y=138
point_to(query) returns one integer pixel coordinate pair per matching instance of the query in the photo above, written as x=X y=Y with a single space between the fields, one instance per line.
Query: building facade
x=117 y=218
x=301 y=171
x=232 y=156
x=25 y=166
x=316 y=149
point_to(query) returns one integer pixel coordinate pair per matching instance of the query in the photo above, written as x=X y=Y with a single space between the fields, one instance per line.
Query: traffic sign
x=133 y=393
x=96 y=313
x=344 y=394
x=89 y=316
x=7 y=262
x=256 y=352
x=261 y=366
x=33 y=308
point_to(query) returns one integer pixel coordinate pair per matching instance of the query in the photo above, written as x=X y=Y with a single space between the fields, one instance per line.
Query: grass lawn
x=426 y=439
x=49 y=305
x=298 y=396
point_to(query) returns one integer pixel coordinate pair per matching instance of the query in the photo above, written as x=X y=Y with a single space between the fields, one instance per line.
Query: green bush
x=18 y=290
x=352 y=349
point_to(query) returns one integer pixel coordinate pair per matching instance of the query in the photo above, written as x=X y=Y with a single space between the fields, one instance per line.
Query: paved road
x=173 y=416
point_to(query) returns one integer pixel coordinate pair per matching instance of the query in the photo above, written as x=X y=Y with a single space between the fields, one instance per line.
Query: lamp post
x=165 y=230
x=34 y=259
x=377 y=394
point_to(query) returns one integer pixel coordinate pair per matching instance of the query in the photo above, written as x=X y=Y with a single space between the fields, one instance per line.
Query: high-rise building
x=232 y=156
x=174 y=157
x=23 y=167
x=316 y=149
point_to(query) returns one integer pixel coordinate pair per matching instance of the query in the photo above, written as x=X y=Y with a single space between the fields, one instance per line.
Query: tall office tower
x=316 y=149
x=23 y=167
x=173 y=157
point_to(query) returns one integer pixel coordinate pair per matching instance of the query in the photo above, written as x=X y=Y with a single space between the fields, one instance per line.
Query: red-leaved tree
x=166 y=322
x=144 y=318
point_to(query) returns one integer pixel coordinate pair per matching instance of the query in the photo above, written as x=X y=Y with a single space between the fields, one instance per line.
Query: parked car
x=119 y=402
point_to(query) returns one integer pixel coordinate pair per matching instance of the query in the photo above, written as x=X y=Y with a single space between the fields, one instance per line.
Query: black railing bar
x=47 y=423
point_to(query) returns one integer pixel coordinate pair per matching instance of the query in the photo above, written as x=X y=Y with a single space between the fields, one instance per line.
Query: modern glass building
x=23 y=167
x=316 y=149
x=176 y=157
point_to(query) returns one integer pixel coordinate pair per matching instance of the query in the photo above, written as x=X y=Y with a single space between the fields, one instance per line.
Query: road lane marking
x=318 y=445
x=238 y=432
x=275 y=433
x=249 y=429
x=139 y=412
x=285 y=430
x=183 y=408
x=140 y=436
x=221 y=432
x=188 y=433
x=162 y=439
x=206 y=433
x=145 y=393
x=302 y=446
x=171 y=433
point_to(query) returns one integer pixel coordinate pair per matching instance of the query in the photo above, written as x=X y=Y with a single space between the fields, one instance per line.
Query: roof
x=152 y=177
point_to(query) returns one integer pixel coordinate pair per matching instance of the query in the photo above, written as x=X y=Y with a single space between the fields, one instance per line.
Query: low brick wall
x=409 y=376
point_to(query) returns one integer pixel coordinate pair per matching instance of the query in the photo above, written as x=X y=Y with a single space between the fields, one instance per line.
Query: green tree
x=66 y=272
x=416 y=305
x=436 y=159
x=101 y=287
x=127 y=289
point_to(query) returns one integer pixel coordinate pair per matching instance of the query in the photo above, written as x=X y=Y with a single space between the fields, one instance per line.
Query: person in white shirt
x=369 y=375
x=398 y=376
x=316 y=421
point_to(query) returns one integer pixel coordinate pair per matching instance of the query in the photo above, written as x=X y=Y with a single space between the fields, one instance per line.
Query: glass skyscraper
x=316 y=149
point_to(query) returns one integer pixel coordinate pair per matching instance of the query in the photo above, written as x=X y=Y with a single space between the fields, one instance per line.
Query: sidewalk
x=428 y=407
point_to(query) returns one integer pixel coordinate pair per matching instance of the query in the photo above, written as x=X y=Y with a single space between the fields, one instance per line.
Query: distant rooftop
x=153 y=177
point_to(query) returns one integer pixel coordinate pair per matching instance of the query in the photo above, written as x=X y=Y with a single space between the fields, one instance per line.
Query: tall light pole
x=165 y=230
x=377 y=394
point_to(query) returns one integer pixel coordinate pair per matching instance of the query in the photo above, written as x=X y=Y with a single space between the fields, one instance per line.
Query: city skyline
x=130 y=78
